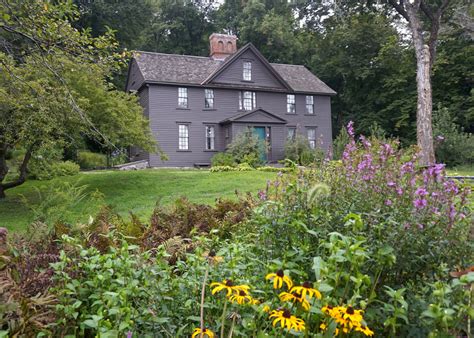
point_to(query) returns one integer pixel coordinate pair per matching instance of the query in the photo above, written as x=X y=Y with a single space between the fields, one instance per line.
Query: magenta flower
x=388 y=202
x=350 y=128
x=391 y=184
x=421 y=192
x=420 y=203
x=262 y=195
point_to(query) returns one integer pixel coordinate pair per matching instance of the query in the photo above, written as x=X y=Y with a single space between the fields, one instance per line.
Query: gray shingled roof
x=186 y=69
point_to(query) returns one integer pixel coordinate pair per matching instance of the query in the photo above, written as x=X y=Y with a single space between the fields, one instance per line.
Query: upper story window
x=247 y=100
x=309 y=104
x=208 y=98
x=247 y=72
x=311 y=137
x=183 y=137
x=210 y=137
x=182 y=97
x=290 y=104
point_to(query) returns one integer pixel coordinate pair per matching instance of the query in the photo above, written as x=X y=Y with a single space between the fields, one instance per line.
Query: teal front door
x=261 y=133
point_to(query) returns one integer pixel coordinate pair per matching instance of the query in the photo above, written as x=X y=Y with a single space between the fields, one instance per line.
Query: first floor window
x=183 y=137
x=247 y=100
x=290 y=104
x=208 y=98
x=312 y=137
x=291 y=133
x=309 y=104
x=183 y=97
x=210 y=137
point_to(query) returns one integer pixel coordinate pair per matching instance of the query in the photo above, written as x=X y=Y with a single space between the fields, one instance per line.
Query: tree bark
x=4 y=169
x=424 y=109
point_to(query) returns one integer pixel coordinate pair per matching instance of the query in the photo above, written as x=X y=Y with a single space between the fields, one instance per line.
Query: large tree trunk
x=4 y=169
x=424 y=129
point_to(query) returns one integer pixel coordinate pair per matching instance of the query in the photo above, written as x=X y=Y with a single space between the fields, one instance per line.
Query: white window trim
x=212 y=137
x=183 y=138
x=247 y=71
x=290 y=102
x=209 y=97
x=310 y=104
x=181 y=91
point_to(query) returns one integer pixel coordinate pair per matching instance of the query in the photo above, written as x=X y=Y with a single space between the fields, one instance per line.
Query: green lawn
x=133 y=191
x=461 y=171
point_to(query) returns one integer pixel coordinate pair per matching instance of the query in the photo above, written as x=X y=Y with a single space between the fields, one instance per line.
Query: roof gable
x=258 y=115
x=263 y=74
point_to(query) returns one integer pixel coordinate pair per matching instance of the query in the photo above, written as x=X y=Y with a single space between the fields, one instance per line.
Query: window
x=312 y=137
x=247 y=75
x=291 y=133
x=183 y=137
x=309 y=105
x=210 y=137
x=247 y=100
x=208 y=98
x=290 y=104
x=183 y=97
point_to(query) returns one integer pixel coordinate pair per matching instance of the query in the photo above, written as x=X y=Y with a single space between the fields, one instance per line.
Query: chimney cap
x=223 y=36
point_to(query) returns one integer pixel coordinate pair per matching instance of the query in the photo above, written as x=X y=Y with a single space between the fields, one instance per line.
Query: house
x=197 y=105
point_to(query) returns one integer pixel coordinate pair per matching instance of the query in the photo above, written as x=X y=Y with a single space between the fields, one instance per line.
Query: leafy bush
x=339 y=143
x=276 y=169
x=90 y=160
x=247 y=148
x=239 y=167
x=299 y=151
x=46 y=171
x=222 y=159
x=453 y=146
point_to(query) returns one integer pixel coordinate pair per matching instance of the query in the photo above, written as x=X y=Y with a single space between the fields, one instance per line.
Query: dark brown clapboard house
x=197 y=105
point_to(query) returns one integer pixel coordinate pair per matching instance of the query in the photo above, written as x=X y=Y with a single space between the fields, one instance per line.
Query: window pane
x=247 y=71
x=210 y=137
x=209 y=98
x=183 y=137
x=309 y=105
x=290 y=104
x=291 y=133
x=183 y=97
x=312 y=137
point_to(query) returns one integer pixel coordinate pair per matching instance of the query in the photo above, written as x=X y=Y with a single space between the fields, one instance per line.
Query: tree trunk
x=2 y=192
x=424 y=129
x=4 y=170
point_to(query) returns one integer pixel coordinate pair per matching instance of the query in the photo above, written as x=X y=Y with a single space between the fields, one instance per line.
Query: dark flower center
x=307 y=285
x=280 y=273
x=350 y=310
x=229 y=282
x=212 y=253
x=242 y=293
x=286 y=313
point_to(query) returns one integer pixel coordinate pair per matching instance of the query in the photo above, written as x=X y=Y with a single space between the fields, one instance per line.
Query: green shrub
x=222 y=159
x=90 y=160
x=453 y=146
x=247 y=148
x=299 y=151
x=42 y=170
x=222 y=168
x=339 y=143
x=276 y=169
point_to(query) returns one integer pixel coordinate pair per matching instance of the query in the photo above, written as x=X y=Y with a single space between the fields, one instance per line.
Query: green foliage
x=246 y=147
x=453 y=146
x=90 y=160
x=52 y=170
x=239 y=167
x=276 y=169
x=299 y=151
x=339 y=143
x=222 y=159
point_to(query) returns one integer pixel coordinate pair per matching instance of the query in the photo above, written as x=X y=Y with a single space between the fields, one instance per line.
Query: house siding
x=165 y=117
x=261 y=76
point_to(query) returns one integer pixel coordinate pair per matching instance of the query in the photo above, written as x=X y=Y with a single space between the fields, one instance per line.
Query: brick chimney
x=222 y=45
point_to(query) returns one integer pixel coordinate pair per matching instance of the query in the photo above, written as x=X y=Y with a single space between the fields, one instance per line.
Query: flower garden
x=372 y=245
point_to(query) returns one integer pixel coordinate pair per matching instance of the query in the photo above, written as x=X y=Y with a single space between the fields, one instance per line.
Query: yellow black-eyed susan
x=355 y=316
x=306 y=289
x=279 y=278
x=365 y=330
x=205 y=333
x=294 y=297
x=241 y=298
x=287 y=320
x=229 y=287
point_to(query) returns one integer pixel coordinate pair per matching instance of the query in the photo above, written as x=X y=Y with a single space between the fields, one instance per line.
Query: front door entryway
x=262 y=136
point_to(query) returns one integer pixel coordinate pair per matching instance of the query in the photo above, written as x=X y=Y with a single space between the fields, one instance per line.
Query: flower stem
x=223 y=318
x=203 y=295
x=231 y=331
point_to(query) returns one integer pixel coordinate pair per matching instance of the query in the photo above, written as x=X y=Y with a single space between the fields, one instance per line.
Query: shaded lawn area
x=461 y=171
x=132 y=191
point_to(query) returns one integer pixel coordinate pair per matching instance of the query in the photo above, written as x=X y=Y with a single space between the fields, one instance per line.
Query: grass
x=131 y=191
x=461 y=171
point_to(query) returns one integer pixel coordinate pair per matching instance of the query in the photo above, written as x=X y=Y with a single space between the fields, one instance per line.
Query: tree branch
x=400 y=8
x=24 y=165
